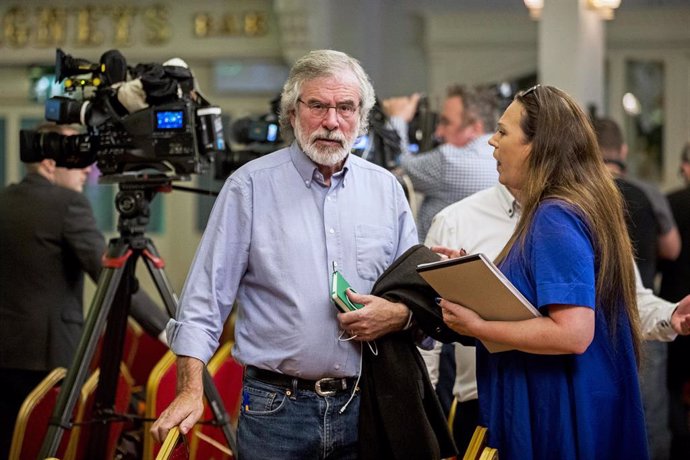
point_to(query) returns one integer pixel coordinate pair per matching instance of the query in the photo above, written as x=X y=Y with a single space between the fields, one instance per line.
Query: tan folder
x=476 y=283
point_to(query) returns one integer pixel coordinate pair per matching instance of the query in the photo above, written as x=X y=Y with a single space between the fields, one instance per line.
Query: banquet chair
x=79 y=437
x=477 y=444
x=32 y=420
x=174 y=446
x=160 y=392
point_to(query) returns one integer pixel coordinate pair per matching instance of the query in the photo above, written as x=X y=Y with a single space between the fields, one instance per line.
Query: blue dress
x=562 y=406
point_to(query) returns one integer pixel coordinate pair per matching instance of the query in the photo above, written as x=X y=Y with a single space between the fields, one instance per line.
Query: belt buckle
x=319 y=391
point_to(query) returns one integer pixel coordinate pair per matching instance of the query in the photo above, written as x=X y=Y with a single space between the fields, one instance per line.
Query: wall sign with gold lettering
x=204 y=29
x=84 y=26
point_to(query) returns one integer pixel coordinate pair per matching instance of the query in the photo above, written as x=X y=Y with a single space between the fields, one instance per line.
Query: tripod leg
x=108 y=283
x=114 y=337
x=155 y=266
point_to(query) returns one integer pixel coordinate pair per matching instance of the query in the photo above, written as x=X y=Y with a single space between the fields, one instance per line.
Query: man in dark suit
x=675 y=283
x=48 y=240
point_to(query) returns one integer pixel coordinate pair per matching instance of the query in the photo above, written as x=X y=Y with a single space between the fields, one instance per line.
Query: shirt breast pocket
x=374 y=250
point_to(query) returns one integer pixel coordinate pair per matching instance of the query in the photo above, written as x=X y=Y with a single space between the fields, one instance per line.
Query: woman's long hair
x=565 y=164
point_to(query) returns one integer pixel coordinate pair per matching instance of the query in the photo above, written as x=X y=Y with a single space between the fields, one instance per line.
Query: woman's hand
x=461 y=319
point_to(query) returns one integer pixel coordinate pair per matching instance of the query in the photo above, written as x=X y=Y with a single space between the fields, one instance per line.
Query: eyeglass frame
x=318 y=105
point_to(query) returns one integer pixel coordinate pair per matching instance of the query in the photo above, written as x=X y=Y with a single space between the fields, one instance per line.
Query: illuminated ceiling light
x=631 y=105
x=605 y=8
x=534 y=7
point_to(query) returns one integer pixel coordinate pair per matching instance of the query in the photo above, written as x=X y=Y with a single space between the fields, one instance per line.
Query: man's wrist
x=408 y=324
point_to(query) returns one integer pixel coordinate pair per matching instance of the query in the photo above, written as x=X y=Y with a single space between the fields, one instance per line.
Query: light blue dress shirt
x=270 y=242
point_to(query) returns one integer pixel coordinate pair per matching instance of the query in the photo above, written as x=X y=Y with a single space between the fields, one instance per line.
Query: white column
x=571 y=51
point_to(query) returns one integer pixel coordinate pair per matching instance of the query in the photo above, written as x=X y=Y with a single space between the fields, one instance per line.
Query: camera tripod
x=109 y=311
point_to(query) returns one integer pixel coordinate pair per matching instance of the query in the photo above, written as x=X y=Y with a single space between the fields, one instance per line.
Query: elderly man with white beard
x=279 y=227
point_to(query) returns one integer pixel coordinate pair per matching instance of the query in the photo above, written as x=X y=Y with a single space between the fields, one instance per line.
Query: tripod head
x=133 y=204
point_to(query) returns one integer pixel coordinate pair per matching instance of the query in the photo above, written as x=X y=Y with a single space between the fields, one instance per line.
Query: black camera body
x=263 y=130
x=177 y=133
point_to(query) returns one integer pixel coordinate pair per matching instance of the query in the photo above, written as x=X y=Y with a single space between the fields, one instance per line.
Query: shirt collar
x=307 y=168
x=508 y=202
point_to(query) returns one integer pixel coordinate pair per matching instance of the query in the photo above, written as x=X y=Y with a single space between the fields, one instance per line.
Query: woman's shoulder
x=557 y=207
x=556 y=211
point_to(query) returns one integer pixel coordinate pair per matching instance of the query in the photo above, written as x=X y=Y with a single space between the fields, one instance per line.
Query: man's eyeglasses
x=344 y=110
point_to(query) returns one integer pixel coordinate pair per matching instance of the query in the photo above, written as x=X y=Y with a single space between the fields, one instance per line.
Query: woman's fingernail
x=437 y=300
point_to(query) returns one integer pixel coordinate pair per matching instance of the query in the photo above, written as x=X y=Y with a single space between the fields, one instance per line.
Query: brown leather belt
x=323 y=387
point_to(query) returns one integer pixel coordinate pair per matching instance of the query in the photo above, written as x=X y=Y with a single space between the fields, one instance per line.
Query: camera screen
x=170 y=119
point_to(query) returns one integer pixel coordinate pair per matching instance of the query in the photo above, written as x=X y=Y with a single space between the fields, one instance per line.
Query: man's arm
x=82 y=235
x=668 y=240
x=423 y=170
x=669 y=244
x=403 y=107
x=188 y=405
x=660 y=320
x=400 y=112
x=681 y=317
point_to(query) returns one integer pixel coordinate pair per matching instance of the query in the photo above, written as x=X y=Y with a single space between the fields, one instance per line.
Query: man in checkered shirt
x=463 y=164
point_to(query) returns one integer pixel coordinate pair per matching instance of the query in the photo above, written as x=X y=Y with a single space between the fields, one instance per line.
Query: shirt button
x=336 y=367
x=331 y=230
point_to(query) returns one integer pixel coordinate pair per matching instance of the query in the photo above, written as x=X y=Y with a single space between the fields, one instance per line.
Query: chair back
x=160 y=392
x=477 y=444
x=141 y=352
x=32 y=420
x=489 y=453
x=174 y=446
x=80 y=433
x=451 y=414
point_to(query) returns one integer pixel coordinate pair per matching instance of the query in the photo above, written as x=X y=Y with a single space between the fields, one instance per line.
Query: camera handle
x=115 y=287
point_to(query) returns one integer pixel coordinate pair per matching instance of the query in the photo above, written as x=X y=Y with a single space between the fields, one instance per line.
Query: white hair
x=318 y=64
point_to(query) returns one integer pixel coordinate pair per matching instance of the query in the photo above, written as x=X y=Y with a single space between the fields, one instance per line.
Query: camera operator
x=459 y=167
x=48 y=240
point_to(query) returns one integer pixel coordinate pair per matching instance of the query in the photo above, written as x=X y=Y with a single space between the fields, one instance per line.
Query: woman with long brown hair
x=570 y=388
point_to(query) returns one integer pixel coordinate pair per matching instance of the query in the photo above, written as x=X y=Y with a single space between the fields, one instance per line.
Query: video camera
x=256 y=136
x=143 y=122
x=422 y=126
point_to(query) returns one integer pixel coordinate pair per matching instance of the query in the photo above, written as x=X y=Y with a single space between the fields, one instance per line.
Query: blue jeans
x=277 y=423
x=655 y=399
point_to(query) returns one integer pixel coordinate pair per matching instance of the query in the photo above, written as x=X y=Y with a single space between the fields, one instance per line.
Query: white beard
x=326 y=155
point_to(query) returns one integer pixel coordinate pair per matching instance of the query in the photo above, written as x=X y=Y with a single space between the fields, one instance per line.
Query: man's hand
x=188 y=405
x=680 y=320
x=403 y=107
x=376 y=319
x=448 y=253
